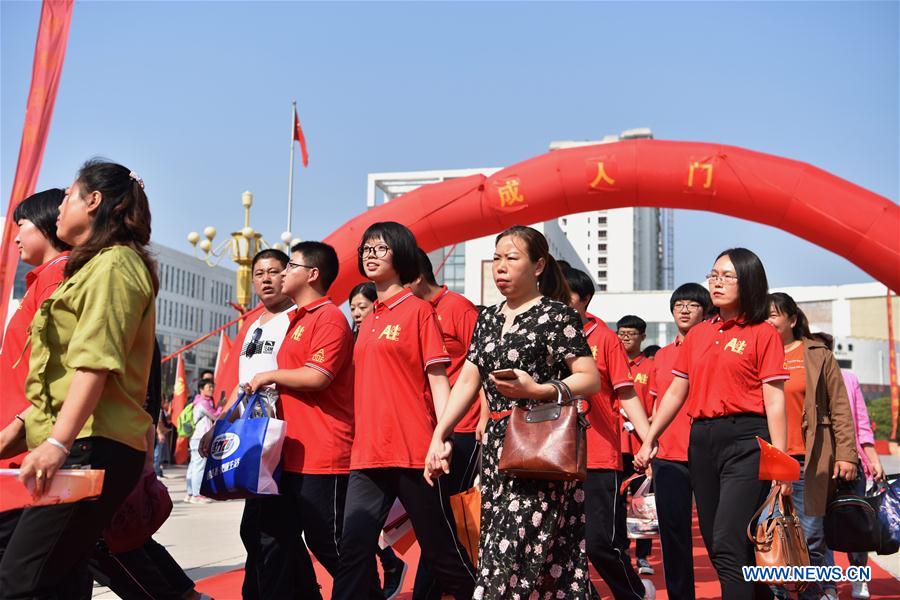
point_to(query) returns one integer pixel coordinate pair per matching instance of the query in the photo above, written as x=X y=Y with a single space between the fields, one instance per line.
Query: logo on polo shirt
x=640 y=378
x=297 y=333
x=594 y=351
x=735 y=345
x=391 y=332
x=319 y=356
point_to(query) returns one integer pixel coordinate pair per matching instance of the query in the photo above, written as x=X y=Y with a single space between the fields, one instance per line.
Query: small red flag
x=775 y=465
x=299 y=137
x=222 y=355
x=180 y=399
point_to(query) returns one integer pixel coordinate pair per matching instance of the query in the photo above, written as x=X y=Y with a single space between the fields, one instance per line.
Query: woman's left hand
x=39 y=467
x=260 y=380
x=844 y=470
x=523 y=386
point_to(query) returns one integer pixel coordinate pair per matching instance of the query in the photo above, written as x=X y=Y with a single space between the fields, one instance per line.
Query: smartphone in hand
x=505 y=374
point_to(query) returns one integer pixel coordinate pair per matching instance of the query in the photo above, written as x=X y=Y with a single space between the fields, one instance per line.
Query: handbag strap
x=771 y=499
x=628 y=481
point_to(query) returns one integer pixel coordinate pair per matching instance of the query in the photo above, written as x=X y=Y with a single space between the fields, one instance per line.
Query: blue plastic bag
x=245 y=455
x=889 y=511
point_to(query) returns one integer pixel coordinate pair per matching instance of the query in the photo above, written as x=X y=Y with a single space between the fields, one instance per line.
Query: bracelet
x=55 y=442
x=19 y=417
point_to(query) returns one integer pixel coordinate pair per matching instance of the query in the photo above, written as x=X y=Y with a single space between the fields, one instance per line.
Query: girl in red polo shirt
x=400 y=388
x=731 y=372
x=689 y=305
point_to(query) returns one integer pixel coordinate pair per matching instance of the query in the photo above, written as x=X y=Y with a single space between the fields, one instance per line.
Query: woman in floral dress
x=532 y=531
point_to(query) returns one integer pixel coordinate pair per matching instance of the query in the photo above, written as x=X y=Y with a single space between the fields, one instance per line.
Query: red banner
x=49 y=52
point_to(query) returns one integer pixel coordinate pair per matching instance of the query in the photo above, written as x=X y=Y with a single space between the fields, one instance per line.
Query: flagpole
x=291 y=175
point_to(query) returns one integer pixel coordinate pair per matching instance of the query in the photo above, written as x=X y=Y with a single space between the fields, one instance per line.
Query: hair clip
x=137 y=178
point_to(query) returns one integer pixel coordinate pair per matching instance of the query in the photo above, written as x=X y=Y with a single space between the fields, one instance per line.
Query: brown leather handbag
x=548 y=441
x=779 y=539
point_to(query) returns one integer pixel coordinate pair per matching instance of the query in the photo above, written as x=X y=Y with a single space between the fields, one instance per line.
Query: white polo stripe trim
x=399 y=300
x=680 y=374
x=776 y=378
x=435 y=361
x=320 y=369
x=623 y=384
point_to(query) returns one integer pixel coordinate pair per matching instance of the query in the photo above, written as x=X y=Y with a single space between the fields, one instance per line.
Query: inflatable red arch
x=835 y=214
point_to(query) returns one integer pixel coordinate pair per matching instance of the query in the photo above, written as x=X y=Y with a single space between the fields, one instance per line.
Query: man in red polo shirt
x=632 y=330
x=456 y=318
x=605 y=533
x=315 y=384
x=674 y=495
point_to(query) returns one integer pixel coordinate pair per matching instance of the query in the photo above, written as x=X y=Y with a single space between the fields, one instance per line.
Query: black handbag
x=852 y=523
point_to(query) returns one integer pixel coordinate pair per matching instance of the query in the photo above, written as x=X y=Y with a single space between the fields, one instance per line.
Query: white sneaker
x=187 y=499
x=860 y=590
x=649 y=590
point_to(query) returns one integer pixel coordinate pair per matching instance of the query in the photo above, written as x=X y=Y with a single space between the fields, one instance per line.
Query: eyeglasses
x=269 y=272
x=293 y=265
x=251 y=348
x=689 y=306
x=726 y=279
x=627 y=335
x=379 y=251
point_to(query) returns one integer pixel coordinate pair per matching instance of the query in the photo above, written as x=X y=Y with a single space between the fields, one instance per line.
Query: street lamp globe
x=286 y=237
x=206 y=246
x=210 y=233
x=193 y=237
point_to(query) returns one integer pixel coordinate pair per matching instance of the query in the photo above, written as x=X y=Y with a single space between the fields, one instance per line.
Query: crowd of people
x=412 y=401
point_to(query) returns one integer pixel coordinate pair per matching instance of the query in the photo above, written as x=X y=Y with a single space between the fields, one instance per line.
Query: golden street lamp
x=241 y=248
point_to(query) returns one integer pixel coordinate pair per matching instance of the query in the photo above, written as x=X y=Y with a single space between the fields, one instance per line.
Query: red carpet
x=227 y=586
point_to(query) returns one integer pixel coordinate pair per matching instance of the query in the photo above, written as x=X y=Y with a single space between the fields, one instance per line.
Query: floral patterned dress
x=532 y=532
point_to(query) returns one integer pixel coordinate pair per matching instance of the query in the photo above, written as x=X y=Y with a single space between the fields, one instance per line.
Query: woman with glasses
x=821 y=433
x=400 y=387
x=689 y=305
x=730 y=370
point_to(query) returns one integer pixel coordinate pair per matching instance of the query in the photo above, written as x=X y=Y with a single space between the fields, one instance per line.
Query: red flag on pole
x=222 y=355
x=49 y=51
x=775 y=465
x=179 y=401
x=299 y=137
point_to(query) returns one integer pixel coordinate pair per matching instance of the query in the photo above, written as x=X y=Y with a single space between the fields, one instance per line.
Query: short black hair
x=403 y=247
x=367 y=289
x=203 y=373
x=650 y=351
x=691 y=292
x=753 y=286
x=426 y=269
x=278 y=255
x=321 y=256
x=579 y=281
x=632 y=322
x=42 y=209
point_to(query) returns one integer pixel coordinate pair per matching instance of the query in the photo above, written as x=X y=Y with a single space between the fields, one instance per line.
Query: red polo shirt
x=40 y=283
x=319 y=423
x=673 y=443
x=612 y=362
x=457 y=316
x=641 y=369
x=395 y=417
x=727 y=363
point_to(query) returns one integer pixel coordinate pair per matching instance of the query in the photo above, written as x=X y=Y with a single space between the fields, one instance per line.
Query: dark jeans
x=370 y=495
x=643 y=546
x=606 y=535
x=463 y=469
x=311 y=505
x=147 y=573
x=723 y=458
x=674 y=507
x=47 y=553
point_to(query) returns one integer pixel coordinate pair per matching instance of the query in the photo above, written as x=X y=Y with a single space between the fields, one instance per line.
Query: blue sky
x=196 y=98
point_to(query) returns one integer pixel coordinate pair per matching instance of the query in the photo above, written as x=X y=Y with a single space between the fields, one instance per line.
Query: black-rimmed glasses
x=379 y=250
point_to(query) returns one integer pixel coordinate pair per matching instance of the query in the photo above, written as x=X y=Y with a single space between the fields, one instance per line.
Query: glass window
x=602 y=287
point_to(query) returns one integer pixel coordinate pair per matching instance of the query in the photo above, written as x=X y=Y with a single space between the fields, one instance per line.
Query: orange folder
x=68 y=485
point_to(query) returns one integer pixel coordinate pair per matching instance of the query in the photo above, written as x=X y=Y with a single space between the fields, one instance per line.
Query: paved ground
x=204 y=538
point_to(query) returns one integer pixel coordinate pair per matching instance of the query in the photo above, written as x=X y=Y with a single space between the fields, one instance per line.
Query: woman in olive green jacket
x=821 y=433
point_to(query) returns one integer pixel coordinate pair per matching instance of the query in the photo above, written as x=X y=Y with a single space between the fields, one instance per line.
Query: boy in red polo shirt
x=672 y=482
x=632 y=331
x=315 y=384
x=605 y=532
x=456 y=318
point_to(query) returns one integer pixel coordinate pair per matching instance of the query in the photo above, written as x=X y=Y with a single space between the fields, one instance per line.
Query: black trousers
x=311 y=505
x=606 y=535
x=47 y=554
x=147 y=573
x=723 y=458
x=370 y=495
x=250 y=538
x=463 y=469
x=642 y=547
x=674 y=507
